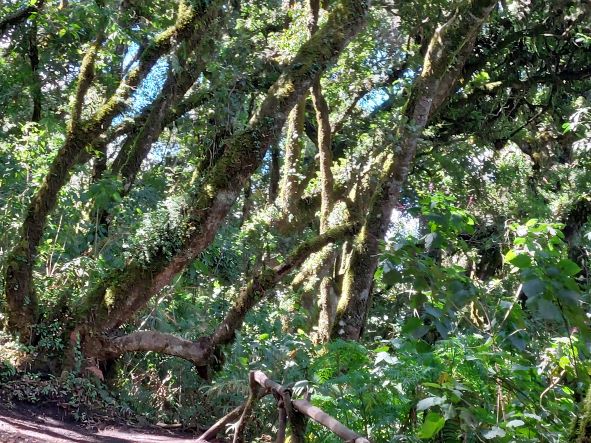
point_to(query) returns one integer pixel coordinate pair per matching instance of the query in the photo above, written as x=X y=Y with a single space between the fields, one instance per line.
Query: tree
x=373 y=175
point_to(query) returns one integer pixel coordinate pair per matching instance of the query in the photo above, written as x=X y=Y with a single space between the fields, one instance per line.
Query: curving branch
x=219 y=188
x=196 y=352
x=199 y=352
x=265 y=280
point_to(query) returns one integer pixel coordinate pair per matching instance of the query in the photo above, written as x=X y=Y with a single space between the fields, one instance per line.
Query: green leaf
x=569 y=267
x=433 y=423
x=432 y=241
x=548 y=310
x=392 y=277
x=518 y=260
x=534 y=288
x=510 y=255
x=411 y=324
x=415 y=328
x=564 y=362
x=569 y=297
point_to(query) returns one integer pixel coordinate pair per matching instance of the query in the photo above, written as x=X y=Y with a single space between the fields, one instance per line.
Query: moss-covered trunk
x=292 y=165
x=581 y=429
x=19 y=291
x=448 y=50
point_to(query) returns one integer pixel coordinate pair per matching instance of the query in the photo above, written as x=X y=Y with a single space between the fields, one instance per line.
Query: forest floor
x=45 y=423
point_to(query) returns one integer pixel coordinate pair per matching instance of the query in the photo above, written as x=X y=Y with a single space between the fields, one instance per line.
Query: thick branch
x=19 y=16
x=324 y=146
x=292 y=158
x=85 y=78
x=219 y=188
x=267 y=279
x=196 y=352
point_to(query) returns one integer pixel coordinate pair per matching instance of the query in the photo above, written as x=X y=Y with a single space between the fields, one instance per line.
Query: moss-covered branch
x=292 y=164
x=85 y=78
x=21 y=301
x=267 y=279
x=581 y=428
x=216 y=192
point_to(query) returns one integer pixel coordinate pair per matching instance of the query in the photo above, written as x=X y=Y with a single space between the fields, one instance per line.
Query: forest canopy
x=385 y=206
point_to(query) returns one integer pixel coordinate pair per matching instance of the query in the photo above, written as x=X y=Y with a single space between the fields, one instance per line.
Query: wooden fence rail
x=292 y=412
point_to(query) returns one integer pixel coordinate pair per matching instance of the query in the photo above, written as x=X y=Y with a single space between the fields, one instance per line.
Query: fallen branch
x=221 y=423
x=255 y=394
x=319 y=416
x=293 y=411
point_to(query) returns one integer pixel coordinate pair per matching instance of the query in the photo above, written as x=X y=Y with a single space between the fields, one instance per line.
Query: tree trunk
x=581 y=428
x=446 y=54
x=21 y=300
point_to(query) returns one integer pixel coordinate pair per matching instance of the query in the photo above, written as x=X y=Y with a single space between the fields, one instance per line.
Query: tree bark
x=581 y=427
x=274 y=175
x=33 y=53
x=292 y=158
x=447 y=52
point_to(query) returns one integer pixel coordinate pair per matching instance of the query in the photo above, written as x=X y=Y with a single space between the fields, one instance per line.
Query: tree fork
x=21 y=300
x=199 y=352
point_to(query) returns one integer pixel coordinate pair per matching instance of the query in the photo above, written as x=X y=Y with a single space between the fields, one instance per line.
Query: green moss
x=109 y=298
x=581 y=429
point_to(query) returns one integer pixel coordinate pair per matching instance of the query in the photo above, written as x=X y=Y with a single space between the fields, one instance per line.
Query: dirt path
x=45 y=424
